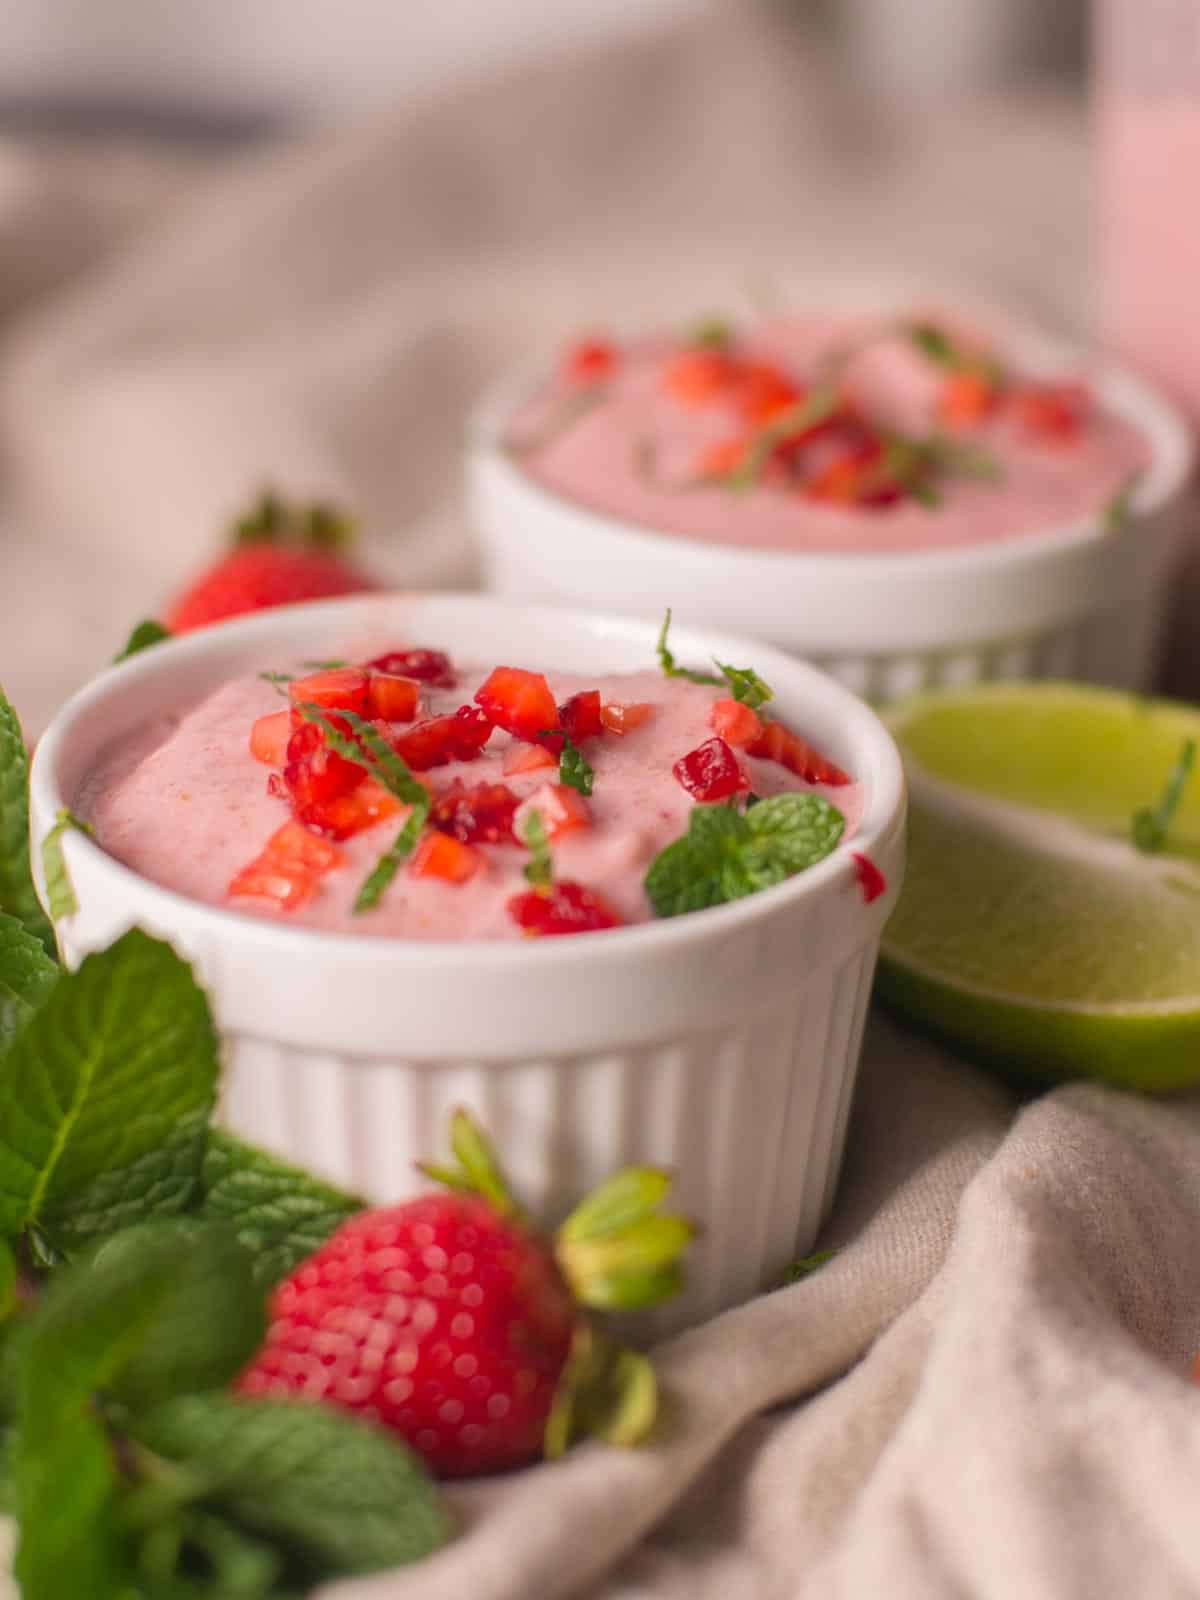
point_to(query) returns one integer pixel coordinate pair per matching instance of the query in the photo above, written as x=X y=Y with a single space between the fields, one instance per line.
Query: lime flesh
x=1031 y=933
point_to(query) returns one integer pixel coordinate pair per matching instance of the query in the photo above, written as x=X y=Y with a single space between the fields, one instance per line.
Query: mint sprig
x=670 y=667
x=1150 y=825
x=18 y=898
x=726 y=854
x=105 y=1096
x=60 y=891
x=145 y=635
x=574 y=769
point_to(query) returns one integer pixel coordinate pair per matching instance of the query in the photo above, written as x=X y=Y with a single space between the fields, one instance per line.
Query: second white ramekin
x=723 y=1044
x=1082 y=601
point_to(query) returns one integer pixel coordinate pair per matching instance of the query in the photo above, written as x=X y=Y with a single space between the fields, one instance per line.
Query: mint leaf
x=935 y=345
x=26 y=977
x=726 y=855
x=236 y=1566
x=18 y=898
x=392 y=859
x=807 y=1265
x=1151 y=824
x=574 y=769
x=540 y=869
x=342 y=1494
x=209 y=1321
x=106 y=1095
x=279 y=1213
x=666 y=659
x=143 y=636
x=711 y=333
x=746 y=685
x=60 y=891
x=1117 y=512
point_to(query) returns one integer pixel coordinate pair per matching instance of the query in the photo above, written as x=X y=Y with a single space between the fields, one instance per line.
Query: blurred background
x=252 y=239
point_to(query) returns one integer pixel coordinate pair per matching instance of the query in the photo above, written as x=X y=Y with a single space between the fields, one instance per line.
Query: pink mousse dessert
x=826 y=434
x=412 y=797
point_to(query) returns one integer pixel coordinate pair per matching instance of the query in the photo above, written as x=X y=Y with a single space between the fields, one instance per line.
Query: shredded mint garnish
x=727 y=854
x=746 y=685
x=937 y=346
x=540 y=870
x=278 y=680
x=666 y=659
x=1150 y=825
x=325 y=666
x=1117 y=512
x=573 y=768
x=18 y=897
x=143 y=636
x=60 y=891
x=711 y=333
x=819 y=405
x=807 y=1265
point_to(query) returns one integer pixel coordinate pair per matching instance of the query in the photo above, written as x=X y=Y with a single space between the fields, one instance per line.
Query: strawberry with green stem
x=451 y=1320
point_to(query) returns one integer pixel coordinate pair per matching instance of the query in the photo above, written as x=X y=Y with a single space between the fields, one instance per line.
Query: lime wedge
x=1031 y=933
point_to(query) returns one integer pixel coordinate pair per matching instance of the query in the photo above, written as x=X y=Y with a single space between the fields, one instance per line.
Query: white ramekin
x=723 y=1044
x=1081 y=601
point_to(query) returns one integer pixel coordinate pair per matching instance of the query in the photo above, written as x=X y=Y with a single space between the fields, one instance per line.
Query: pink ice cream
x=628 y=448
x=185 y=804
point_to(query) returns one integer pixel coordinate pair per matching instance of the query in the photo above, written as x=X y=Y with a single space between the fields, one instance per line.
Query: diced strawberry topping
x=393 y=698
x=528 y=758
x=624 y=719
x=763 y=393
x=314 y=774
x=696 y=378
x=287 y=869
x=1053 y=412
x=736 y=723
x=433 y=667
x=482 y=814
x=591 y=361
x=711 y=772
x=438 y=855
x=723 y=457
x=352 y=813
x=444 y=739
x=269 y=738
x=520 y=702
x=780 y=744
x=967 y=398
x=870 y=880
x=339 y=689
x=566 y=908
x=579 y=717
x=562 y=810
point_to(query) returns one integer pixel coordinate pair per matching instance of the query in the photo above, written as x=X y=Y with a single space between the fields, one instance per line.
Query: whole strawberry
x=450 y=1320
x=281 y=555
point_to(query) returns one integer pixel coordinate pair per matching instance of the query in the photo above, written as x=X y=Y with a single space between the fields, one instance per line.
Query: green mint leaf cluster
x=574 y=769
x=18 y=899
x=727 y=854
x=143 y=636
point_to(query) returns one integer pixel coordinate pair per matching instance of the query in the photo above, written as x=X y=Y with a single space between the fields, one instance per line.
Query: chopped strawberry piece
x=624 y=719
x=562 y=810
x=438 y=855
x=722 y=458
x=520 y=702
x=426 y=666
x=696 y=378
x=314 y=774
x=528 y=758
x=780 y=744
x=269 y=738
x=967 y=398
x=566 y=908
x=287 y=869
x=339 y=689
x=444 y=739
x=579 y=717
x=479 y=815
x=393 y=698
x=591 y=361
x=870 y=880
x=711 y=772
x=762 y=393
x=352 y=813
x=1053 y=412
x=736 y=723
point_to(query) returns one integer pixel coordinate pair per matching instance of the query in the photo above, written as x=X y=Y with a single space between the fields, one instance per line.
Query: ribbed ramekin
x=723 y=1044
x=1082 y=601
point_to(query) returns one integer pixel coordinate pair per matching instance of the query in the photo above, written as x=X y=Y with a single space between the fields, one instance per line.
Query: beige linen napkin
x=982 y=1394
